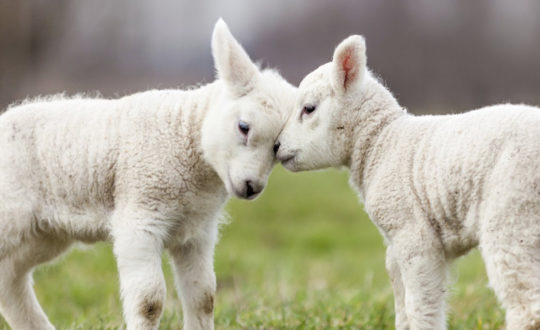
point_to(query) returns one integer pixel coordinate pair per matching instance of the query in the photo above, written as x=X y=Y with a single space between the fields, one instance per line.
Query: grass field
x=302 y=256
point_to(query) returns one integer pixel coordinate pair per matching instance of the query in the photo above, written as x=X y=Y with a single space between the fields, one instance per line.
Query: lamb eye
x=308 y=108
x=243 y=127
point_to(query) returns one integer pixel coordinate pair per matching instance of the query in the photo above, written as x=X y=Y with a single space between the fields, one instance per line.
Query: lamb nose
x=249 y=189
x=276 y=147
x=252 y=189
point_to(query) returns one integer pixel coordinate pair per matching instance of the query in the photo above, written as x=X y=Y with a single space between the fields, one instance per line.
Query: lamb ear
x=232 y=63
x=349 y=63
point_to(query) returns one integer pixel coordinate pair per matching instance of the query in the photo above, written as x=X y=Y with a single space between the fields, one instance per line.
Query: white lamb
x=435 y=186
x=148 y=172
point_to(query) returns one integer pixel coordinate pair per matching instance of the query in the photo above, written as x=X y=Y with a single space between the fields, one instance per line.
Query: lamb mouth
x=289 y=163
x=231 y=185
x=233 y=190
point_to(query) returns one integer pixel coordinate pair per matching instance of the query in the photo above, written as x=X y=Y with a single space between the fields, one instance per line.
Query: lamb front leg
x=138 y=254
x=423 y=270
x=392 y=267
x=196 y=281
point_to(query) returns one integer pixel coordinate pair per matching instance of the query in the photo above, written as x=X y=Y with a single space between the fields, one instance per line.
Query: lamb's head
x=319 y=132
x=239 y=134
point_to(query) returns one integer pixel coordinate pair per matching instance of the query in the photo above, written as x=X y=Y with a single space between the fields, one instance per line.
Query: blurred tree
x=27 y=30
x=435 y=55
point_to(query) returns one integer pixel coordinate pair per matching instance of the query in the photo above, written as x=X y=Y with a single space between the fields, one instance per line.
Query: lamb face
x=317 y=133
x=238 y=138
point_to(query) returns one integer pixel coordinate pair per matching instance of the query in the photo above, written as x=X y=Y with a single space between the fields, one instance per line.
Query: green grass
x=303 y=256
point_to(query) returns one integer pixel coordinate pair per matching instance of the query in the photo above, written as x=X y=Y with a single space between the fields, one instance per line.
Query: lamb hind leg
x=513 y=268
x=18 y=302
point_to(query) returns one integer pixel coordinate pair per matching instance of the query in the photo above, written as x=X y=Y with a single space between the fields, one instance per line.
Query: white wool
x=435 y=186
x=147 y=172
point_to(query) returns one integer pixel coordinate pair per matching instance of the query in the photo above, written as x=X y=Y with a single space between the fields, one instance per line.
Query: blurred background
x=435 y=55
x=304 y=255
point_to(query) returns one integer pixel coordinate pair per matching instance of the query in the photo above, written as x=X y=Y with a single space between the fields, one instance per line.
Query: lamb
x=148 y=172
x=435 y=186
